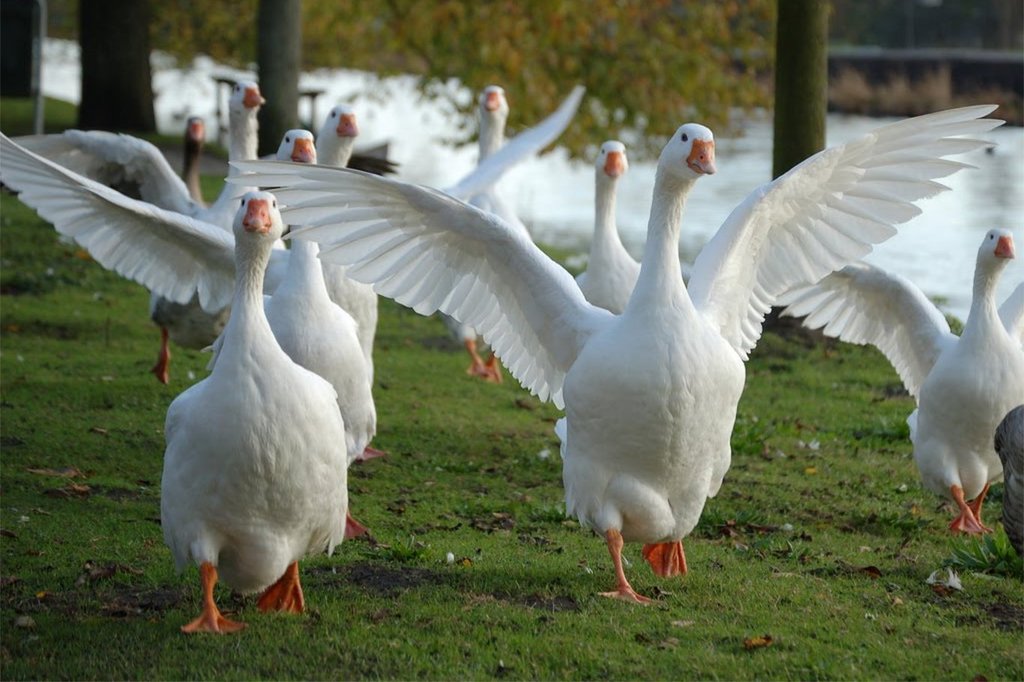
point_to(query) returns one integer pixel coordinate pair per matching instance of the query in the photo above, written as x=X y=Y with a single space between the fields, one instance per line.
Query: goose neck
x=243 y=135
x=305 y=271
x=660 y=271
x=336 y=151
x=984 y=312
x=492 y=137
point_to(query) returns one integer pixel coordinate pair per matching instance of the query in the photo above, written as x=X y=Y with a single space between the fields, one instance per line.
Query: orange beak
x=257 y=216
x=253 y=98
x=1004 y=247
x=614 y=164
x=702 y=157
x=347 y=126
x=493 y=101
x=303 y=151
x=197 y=130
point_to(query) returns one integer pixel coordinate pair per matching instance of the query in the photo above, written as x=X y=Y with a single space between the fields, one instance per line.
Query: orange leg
x=975 y=506
x=211 y=619
x=624 y=590
x=353 y=528
x=370 y=453
x=666 y=558
x=163 y=359
x=967 y=522
x=285 y=594
x=476 y=365
x=493 y=370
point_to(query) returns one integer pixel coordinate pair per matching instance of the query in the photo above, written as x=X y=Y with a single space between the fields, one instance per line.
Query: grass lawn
x=810 y=564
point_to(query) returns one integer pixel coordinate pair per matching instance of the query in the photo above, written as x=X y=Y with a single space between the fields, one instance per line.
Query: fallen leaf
x=94 y=572
x=42 y=594
x=78 y=490
x=524 y=404
x=682 y=623
x=668 y=643
x=872 y=571
x=757 y=642
x=8 y=533
x=98 y=429
x=24 y=622
x=6 y=580
x=65 y=472
x=896 y=601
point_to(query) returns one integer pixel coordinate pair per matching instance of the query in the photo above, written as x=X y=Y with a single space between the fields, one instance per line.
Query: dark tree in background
x=278 y=54
x=117 y=87
x=801 y=82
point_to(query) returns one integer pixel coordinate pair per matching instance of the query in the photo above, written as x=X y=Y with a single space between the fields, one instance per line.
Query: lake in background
x=554 y=195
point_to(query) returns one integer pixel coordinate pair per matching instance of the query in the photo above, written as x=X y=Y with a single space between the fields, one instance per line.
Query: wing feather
x=170 y=254
x=825 y=213
x=865 y=305
x=432 y=252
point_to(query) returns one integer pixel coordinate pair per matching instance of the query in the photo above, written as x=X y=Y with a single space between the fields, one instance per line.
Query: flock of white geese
x=649 y=368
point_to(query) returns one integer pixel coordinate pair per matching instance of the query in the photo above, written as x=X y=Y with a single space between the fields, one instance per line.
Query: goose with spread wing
x=253 y=477
x=650 y=395
x=963 y=386
x=479 y=187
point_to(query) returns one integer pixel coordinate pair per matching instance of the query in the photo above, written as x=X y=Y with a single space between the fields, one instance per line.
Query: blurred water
x=554 y=195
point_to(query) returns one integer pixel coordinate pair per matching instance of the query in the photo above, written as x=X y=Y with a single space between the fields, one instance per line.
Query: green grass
x=822 y=537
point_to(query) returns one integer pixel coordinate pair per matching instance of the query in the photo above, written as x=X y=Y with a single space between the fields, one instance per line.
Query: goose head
x=493 y=103
x=690 y=153
x=611 y=160
x=258 y=217
x=340 y=121
x=195 y=130
x=297 y=145
x=245 y=96
x=996 y=250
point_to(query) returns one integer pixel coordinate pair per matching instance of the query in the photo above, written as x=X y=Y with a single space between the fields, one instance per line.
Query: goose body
x=646 y=433
x=611 y=272
x=963 y=386
x=253 y=477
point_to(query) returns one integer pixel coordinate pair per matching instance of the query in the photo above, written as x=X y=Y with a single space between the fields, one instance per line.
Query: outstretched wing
x=1011 y=312
x=431 y=252
x=168 y=253
x=123 y=162
x=864 y=304
x=522 y=146
x=824 y=213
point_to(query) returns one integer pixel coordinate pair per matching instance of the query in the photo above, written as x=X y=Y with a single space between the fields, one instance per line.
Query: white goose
x=651 y=395
x=253 y=477
x=322 y=336
x=334 y=144
x=611 y=272
x=963 y=386
x=479 y=187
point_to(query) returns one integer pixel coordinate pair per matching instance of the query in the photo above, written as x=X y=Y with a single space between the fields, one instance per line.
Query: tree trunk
x=278 y=53
x=117 y=86
x=801 y=82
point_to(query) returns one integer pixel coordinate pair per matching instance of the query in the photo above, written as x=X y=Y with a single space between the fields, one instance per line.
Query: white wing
x=522 y=146
x=863 y=304
x=1011 y=312
x=431 y=252
x=170 y=254
x=825 y=213
x=118 y=161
